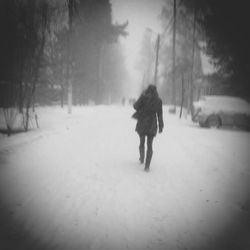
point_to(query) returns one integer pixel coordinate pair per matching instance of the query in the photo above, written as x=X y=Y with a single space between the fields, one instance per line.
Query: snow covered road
x=76 y=183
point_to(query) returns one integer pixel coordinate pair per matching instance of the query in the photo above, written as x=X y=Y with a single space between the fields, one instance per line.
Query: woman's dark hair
x=151 y=90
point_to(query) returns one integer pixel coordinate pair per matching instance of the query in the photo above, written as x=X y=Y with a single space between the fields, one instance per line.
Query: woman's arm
x=160 y=118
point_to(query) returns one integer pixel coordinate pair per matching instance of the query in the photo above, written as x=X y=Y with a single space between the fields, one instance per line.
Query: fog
x=71 y=174
x=141 y=15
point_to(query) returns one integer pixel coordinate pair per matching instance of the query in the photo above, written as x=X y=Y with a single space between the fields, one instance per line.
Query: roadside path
x=80 y=186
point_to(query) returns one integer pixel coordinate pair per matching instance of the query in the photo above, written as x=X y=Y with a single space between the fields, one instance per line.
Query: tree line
x=225 y=29
x=55 y=50
x=217 y=29
x=179 y=56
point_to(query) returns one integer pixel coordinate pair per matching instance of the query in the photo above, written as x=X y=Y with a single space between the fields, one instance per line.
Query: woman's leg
x=142 y=148
x=149 y=151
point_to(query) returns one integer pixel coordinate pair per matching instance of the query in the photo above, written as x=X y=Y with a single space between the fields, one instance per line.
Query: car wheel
x=202 y=124
x=213 y=121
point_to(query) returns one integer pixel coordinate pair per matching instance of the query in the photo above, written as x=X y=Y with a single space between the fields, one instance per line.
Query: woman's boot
x=142 y=154
x=148 y=160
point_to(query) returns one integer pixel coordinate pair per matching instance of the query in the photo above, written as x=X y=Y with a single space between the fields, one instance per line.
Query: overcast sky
x=141 y=14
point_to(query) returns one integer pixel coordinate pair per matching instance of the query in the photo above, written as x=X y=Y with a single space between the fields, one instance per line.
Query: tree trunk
x=21 y=96
x=30 y=95
x=62 y=96
x=99 y=74
x=182 y=94
x=69 y=96
x=192 y=66
x=68 y=71
x=20 y=104
x=173 y=60
x=33 y=101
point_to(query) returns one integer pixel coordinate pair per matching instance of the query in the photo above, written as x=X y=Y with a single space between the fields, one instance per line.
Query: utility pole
x=173 y=59
x=157 y=58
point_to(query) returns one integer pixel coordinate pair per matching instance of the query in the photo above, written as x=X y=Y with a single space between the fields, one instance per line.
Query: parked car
x=216 y=111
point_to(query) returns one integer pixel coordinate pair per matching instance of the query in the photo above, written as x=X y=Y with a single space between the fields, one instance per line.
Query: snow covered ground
x=76 y=183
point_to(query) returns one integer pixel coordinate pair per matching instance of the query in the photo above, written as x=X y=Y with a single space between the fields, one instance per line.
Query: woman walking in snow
x=149 y=117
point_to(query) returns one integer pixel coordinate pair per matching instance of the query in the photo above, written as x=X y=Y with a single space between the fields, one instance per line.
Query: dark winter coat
x=149 y=113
